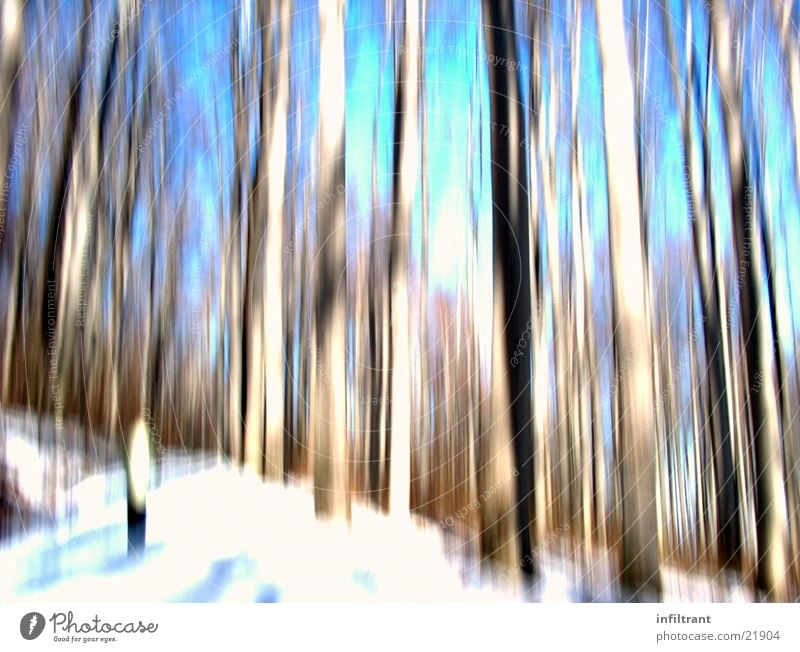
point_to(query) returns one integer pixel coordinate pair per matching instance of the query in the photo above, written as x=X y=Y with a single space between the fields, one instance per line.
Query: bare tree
x=511 y=384
x=772 y=531
x=406 y=176
x=329 y=426
x=632 y=340
x=715 y=331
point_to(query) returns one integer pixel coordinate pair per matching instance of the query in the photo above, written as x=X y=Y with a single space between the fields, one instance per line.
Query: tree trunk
x=331 y=497
x=635 y=393
x=511 y=268
x=772 y=528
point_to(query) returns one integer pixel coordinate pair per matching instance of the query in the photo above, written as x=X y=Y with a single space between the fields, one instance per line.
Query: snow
x=216 y=534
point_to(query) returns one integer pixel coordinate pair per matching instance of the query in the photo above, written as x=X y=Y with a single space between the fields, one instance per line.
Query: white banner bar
x=403 y=627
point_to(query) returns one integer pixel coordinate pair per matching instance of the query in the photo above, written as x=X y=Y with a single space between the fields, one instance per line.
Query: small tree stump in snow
x=137 y=471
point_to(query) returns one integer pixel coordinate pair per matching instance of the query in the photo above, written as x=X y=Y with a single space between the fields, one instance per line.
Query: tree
x=328 y=382
x=511 y=384
x=632 y=340
x=772 y=527
x=406 y=175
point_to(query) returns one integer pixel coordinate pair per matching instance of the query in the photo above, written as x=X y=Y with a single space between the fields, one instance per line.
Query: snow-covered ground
x=218 y=535
x=214 y=534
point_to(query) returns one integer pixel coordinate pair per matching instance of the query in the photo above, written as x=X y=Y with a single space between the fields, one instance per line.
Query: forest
x=520 y=268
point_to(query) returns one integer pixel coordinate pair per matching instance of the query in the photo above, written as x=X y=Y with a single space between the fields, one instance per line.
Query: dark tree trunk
x=511 y=240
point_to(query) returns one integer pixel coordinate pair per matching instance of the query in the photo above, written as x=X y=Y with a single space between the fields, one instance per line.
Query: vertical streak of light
x=640 y=550
x=276 y=176
x=331 y=497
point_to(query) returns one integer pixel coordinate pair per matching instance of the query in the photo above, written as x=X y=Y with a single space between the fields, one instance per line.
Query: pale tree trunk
x=329 y=419
x=49 y=280
x=777 y=276
x=220 y=406
x=268 y=340
x=421 y=382
x=582 y=318
x=127 y=186
x=253 y=340
x=472 y=353
x=384 y=380
x=635 y=393
x=253 y=333
x=593 y=431
x=582 y=301
x=276 y=176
